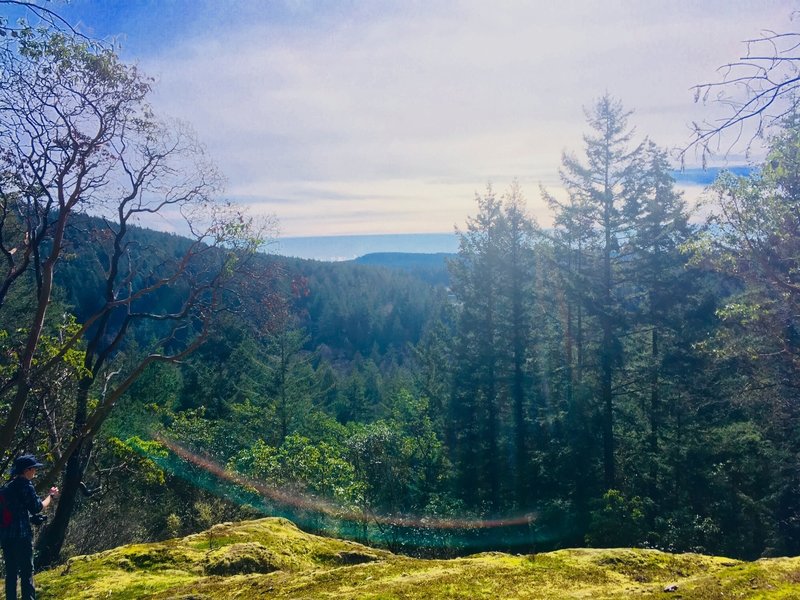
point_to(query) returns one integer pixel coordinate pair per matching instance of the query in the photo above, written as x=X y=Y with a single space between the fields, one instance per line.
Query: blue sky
x=386 y=117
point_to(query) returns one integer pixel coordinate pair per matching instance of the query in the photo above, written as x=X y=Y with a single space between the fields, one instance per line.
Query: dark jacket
x=23 y=502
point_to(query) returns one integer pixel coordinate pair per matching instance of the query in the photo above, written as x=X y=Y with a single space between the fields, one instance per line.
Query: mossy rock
x=354 y=557
x=149 y=558
x=272 y=558
x=240 y=559
x=646 y=566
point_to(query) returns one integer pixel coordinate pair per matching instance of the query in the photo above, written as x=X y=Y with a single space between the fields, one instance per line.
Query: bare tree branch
x=755 y=94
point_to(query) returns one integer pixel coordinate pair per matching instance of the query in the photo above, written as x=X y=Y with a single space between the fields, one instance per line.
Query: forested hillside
x=626 y=377
x=429 y=267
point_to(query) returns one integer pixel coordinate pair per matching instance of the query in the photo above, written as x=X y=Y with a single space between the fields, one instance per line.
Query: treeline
x=626 y=368
x=623 y=378
x=583 y=383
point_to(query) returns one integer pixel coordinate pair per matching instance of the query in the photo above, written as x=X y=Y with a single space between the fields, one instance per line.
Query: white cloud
x=394 y=117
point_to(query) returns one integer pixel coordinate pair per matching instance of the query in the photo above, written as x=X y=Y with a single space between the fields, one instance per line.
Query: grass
x=271 y=558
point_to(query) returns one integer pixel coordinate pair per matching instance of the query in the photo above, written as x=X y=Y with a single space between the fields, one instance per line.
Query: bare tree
x=756 y=92
x=180 y=297
x=45 y=15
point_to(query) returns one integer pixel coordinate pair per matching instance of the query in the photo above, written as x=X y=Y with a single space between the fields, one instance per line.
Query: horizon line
x=342 y=235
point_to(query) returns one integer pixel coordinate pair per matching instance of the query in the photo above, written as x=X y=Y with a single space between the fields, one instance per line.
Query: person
x=17 y=539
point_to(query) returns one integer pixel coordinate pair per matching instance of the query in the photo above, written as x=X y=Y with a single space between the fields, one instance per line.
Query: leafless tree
x=39 y=11
x=755 y=93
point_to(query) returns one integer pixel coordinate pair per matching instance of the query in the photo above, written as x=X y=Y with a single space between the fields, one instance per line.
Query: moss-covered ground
x=271 y=558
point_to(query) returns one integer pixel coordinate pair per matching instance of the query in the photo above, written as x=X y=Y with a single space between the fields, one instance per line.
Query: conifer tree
x=515 y=334
x=475 y=406
x=661 y=291
x=595 y=210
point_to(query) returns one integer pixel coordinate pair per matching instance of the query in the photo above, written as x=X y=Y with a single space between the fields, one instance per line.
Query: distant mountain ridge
x=349 y=247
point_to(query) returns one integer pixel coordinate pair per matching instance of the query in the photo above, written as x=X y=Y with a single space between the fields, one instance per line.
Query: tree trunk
x=492 y=426
x=654 y=412
x=607 y=358
x=22 y=382
x=51 y=540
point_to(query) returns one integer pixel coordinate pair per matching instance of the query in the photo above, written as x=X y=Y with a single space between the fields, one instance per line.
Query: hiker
x=17 y=538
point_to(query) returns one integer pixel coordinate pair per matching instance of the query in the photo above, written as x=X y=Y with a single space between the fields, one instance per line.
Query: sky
x=344 y=117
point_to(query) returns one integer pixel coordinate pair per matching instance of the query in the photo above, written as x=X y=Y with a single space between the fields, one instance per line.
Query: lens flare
x=410 y=531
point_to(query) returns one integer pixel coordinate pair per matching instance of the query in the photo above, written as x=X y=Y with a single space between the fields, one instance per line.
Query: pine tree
x=661 y=290
x=596 y=226
x=475 y=406
x=515 y=334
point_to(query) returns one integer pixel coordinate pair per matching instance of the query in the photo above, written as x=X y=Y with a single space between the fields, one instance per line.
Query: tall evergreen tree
x=661 y=291
x=595 y=189
x=494 y=404
x=475 y=406
x=515 y=329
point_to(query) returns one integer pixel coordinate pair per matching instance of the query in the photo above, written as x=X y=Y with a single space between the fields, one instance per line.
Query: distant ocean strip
x=707 y=176
x=348 y=247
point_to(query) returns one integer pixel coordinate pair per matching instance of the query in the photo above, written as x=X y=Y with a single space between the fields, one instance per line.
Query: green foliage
x=298 y=465
x=496 y=409
x=139 y=454
x=619 y=521
x=60 y=327
x=493 y=355
x=174 y=524
x=619 y=379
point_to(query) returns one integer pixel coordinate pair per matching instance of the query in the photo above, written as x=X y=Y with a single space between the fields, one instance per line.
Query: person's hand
x=54 y=492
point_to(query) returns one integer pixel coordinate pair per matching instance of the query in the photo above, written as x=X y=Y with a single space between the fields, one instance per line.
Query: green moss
x=651 y=565
x=767 y=578
x=272 y=558
x=239 y=559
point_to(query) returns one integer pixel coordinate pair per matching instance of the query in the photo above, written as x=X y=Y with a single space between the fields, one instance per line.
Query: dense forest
x=626 y=377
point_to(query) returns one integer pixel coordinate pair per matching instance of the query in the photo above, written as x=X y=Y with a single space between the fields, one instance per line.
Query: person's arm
x=49 y=498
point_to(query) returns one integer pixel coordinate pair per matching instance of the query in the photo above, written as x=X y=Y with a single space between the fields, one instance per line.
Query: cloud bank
x=382 y=117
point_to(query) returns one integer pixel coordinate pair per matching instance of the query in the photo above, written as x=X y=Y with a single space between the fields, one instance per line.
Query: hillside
x=431 y=268
x=374 y=306
x=271 y=558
